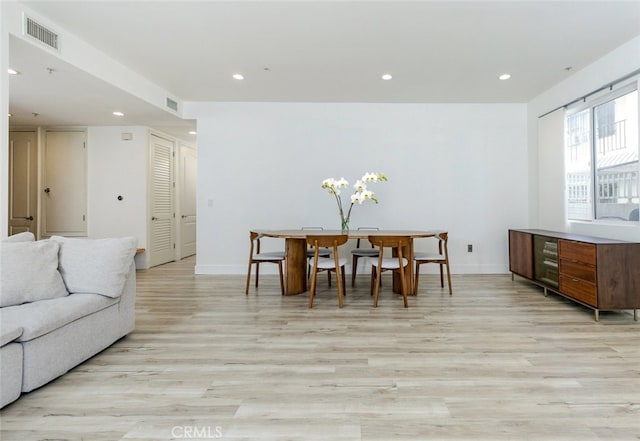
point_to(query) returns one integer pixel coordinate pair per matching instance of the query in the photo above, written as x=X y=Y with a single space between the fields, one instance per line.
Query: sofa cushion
x=9 y=334
x=29 y=272
x=96 y=266
x=40 y=318
x=21 y=237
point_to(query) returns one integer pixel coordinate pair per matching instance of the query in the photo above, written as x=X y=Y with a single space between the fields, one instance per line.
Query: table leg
x=295 y=266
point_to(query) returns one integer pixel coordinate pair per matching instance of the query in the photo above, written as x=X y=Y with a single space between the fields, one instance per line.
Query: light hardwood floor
x=496 y=361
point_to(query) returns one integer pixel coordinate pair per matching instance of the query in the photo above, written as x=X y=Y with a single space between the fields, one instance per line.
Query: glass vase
x=344 y=225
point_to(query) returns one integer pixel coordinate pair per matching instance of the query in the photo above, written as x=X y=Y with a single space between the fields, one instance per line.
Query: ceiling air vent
x=172 y=104
x=40 y=33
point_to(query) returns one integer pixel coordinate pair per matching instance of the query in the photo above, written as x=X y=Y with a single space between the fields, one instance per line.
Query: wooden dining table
x=296 y=253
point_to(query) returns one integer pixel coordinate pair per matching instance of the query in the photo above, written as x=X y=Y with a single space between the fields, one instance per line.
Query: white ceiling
x=336 y=51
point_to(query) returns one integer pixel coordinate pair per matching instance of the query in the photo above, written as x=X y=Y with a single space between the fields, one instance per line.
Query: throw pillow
x=29 y=272
x=96 y=266
x=26 y=236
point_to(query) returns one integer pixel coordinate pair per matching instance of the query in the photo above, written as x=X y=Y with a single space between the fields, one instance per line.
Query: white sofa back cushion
x=96 y=266
x=29 y=272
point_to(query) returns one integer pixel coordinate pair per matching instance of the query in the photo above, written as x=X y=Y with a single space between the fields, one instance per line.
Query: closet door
x=23 y=182
x=65 y=184
x=187 y=171
x=162 y=235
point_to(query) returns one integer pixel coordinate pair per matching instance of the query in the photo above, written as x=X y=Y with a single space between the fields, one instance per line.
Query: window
x=601 y=159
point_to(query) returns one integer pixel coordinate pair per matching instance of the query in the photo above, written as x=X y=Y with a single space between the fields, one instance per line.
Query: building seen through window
x=601 y=160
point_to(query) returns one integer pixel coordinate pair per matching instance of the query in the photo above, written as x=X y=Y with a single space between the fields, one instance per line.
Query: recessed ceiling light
x=118 y=113
x=504 y=76
x=238 y=77
x=12 y=71
x=193 y=132
x=386 y=77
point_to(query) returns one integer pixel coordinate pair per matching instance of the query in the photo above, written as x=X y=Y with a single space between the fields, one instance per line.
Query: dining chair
x=440 y=258
x=256 y=257
x=361 y=252
x=324 y=252
x=334 y=263
x=397 y=263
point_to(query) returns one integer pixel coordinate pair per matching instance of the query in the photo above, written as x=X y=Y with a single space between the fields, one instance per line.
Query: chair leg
x=449 y=278
x=257 y=272
x=441 y=278
x=340 y=286
x=281 y=277
x=373 y=275
x=377 y=289
x=312 y=291
x=417 y=277
x=344 y=283
x=354 y=266
x=403 y=287
x=246 y=291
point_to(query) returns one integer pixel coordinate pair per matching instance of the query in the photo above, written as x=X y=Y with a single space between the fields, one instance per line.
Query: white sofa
x=62 y=300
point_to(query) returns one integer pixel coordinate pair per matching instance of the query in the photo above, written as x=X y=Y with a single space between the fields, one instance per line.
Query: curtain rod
x=593 y=92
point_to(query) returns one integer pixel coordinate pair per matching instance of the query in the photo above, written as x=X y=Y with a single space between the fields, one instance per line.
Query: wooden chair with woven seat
x=440 y=258
x=256 y=257
x=398 y=263
x=334 y=263
x=361 y=252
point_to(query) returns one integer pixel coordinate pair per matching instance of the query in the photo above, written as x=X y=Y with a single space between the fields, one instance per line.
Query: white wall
x=462 y=167
x=549 y=211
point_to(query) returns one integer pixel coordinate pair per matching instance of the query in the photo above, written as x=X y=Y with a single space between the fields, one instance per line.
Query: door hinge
x=174 y=185
x=83 y=218
x=174 y=215
x=84 y=144
x=174 y=246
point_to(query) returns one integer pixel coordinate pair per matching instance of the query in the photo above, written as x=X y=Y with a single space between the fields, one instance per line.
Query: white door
x=64 y=198
x=162 y=242
x=23 y=182
x=187 y=171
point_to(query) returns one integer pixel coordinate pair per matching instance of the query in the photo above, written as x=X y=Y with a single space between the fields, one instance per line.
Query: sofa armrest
x=127 y=304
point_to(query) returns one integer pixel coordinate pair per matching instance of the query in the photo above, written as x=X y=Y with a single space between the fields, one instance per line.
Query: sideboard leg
x=512 y=279
x=635 y=315
x=545 y=292
x=596 y=312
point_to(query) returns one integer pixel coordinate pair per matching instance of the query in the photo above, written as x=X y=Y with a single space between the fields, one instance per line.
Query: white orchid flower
x=342 y=183
x=357 y=198
x=360 y=186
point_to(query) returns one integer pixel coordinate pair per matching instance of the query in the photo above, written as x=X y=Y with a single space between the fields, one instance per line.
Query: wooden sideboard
x=602 y=274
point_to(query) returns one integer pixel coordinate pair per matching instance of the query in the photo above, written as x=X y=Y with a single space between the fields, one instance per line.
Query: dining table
x=295 y=241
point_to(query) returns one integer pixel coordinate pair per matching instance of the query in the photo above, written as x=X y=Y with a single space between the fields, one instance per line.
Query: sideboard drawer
x=572 y=268
x=579 y=289
x=578 y=251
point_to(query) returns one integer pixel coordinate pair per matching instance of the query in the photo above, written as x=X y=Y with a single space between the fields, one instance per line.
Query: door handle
x=47 y=190
x=154 y=218
x=30 y=218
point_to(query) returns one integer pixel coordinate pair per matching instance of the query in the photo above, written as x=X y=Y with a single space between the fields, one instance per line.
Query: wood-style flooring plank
x=496 y=361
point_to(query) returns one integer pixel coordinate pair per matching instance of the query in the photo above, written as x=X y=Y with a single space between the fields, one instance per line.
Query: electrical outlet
x=469 y=248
